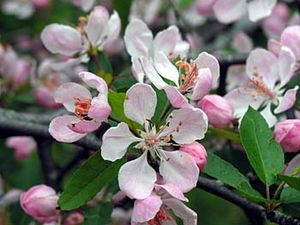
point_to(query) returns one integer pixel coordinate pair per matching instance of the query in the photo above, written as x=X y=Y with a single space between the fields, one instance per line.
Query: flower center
x=82 y=107
x=151 y=140
x=160 y=217
x=188 y=76
x=51 y=81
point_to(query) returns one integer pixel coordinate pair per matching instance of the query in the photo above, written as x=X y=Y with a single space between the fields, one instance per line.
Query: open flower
x=146 y=50
x=155 y=208
x=183 y=126
x=97 y=32
x=268 y=75
x=88 y=111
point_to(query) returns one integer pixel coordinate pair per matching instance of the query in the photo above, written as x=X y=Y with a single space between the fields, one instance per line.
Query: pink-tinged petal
x=61 y=39
x=241 y=98
x=140 y=103
x=292 y=165
x=114 y=26
x=137 y=69
x=146 y=209
x=274 y=47
x=115 y=142
x=166 y=40
x=181 y=49
x=173 y=190
x=179 y=169
x=137 y=178
x=205 y=8
x=100 y=110
x=259 y=9
x=84 y=126
x=286 y=63
x=176 y=99
x=287 y=101
x=242 y=42
x=236 y=77
x=230 y=10
x=268 y=115
x=23 y=146
x=138 y=38
x=44 y=96
x=97 y=26
x=290 y=38
x=151 y=73
x=94 y=82
x=262 y=64
x=188 y=216
x=60 y=131
x=165 y=68
x=68 y=93
x=186 y=125
x=203 y=85
x=86 y=5
x=206 y=60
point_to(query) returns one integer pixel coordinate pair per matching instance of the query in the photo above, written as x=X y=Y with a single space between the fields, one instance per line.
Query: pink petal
x=146 y=209
x=67 y=94
x=137 y=69
x=150 y=72
x=186 y=125
x=203 y=85
x=165 y=68
x=274 y=47
x=259 y=9
x=97 y=26
x=166 y=40
x=137 y=178
x=61 y=39
x=180 y=169
x=242 y=42
x=60 y=131
x=138 y=38
x=94 y=82
x=114 y=27
x=286 y=62
x=188 y=216
x=100 y=110
x=292 y=165
x=230 y=10
x=140 y=103
x=173 y=190
x=263 y=64
x=287 y=101
x=290 y=38
x=206 y=60
x=115 y=142
x=84 y=126
x=176 y=99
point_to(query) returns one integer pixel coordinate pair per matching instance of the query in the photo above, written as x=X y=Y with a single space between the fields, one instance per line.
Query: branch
x=252 y=208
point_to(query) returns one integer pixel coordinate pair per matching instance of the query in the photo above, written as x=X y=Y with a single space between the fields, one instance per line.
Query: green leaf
x=116 y=101
x=290 y=195
x=227 y=173
x=293 y=182
x=87 y=181
x=99 y=215
x=105 y=63
x=264 y=153
x=183 y=4
x=123 y=8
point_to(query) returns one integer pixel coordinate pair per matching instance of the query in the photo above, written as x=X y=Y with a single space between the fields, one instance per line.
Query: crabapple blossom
x=85 y=5
x=10 y=197
x=97 y=32
x=242 y=42
x=40 y=202
x=88 y=111
x=197 y=151
x=183 y=126
x=236 y=77
x=23 y=146
x=205 y=8
x=146 y=51
x=293 y=166
x=75 y=218
x=268 y=75
x=218 y=110
x=145 y=10
x=287 y=134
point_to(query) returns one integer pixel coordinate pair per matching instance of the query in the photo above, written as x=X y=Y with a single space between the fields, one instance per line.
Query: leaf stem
x=226 y=134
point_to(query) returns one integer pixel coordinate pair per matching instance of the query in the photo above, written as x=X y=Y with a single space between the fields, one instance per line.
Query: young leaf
x=293 y=182
x=264 y=153
x=227 y=173
x=87 y=181
x=105 y=63
x=290 y=195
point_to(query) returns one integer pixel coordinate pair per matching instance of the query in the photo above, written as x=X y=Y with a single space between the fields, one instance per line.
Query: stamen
x=82 y=107
x=160 y=217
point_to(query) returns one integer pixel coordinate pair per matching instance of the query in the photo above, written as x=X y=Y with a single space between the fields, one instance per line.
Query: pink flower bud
x=40 y=202
x=23 y=146
x=75 y=218
x=217 y=109
x=41 y=4
x=287 y=134
x=205 y=8
x=197 y=151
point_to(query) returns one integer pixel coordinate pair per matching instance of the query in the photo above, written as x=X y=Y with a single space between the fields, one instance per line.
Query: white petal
x=230 y=10
x=259 y=9
x=116 y=141
x=140 y=103
x=286 y=62
x=287 y=101
x=137 y=178
x=166 y=40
